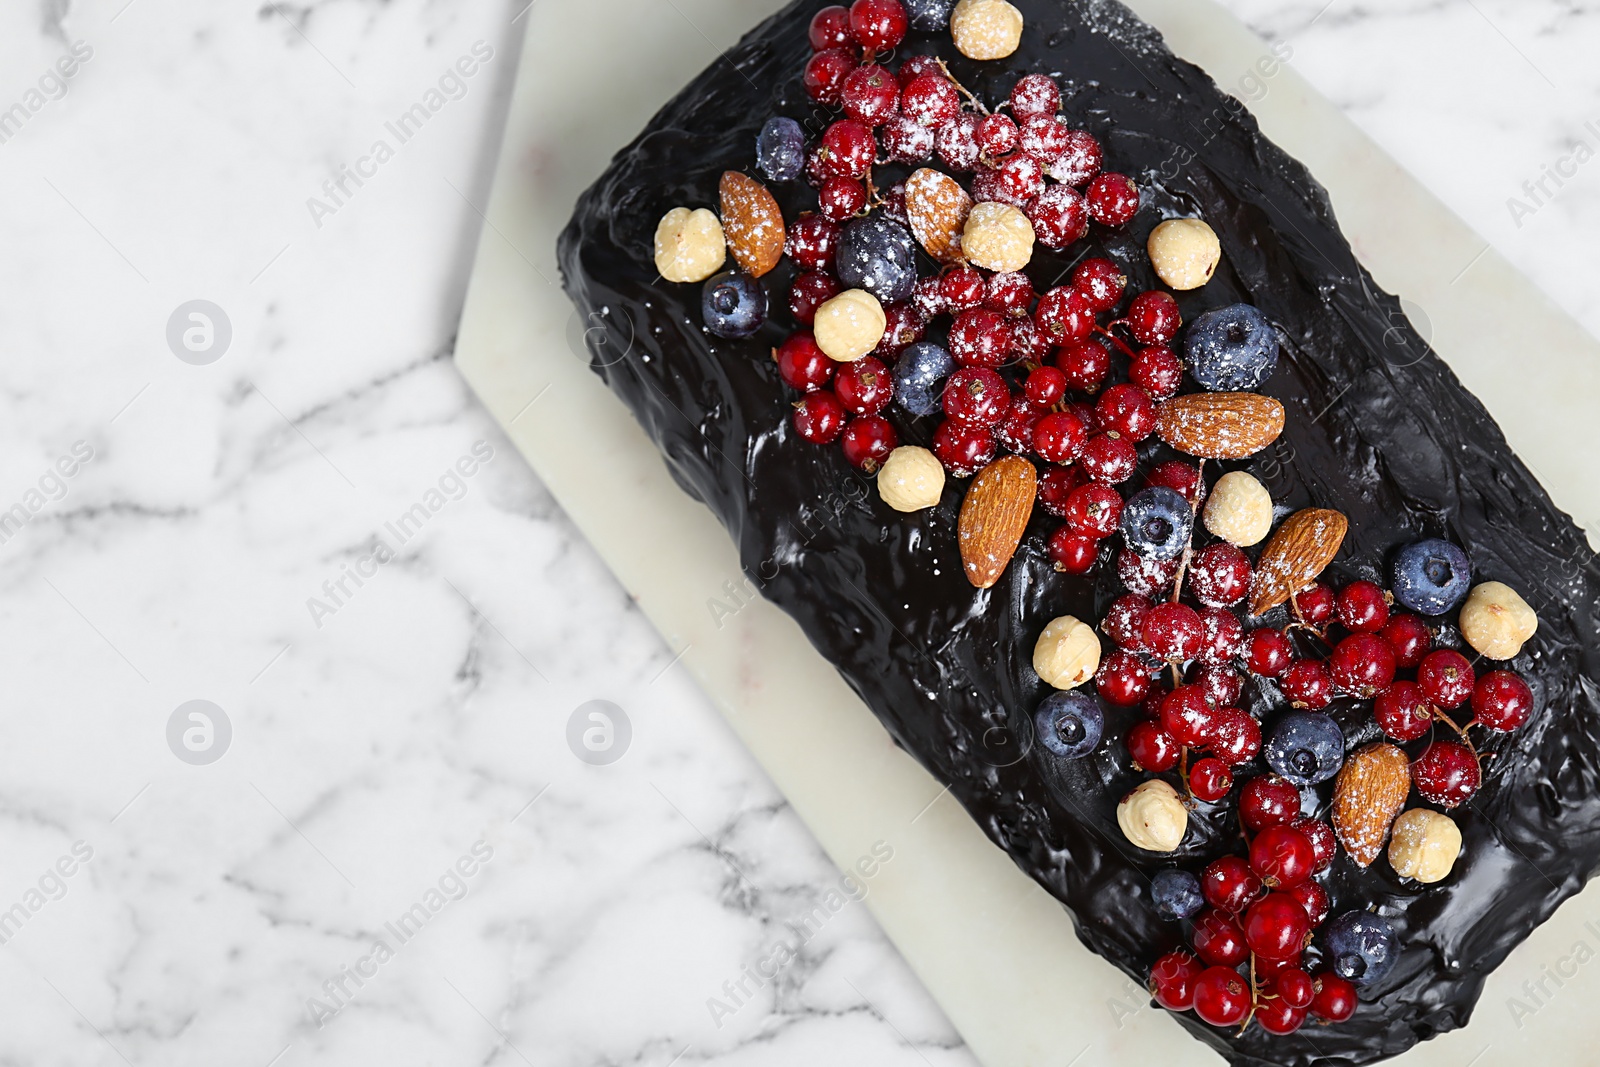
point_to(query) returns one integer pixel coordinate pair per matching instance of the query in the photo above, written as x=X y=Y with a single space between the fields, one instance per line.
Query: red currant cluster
x=1260 y=910
x=1017 y=353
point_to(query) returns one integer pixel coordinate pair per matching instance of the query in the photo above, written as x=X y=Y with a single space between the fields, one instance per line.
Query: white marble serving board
x=996 y=951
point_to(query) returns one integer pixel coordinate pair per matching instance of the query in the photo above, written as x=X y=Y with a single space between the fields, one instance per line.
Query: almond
x=1301 y=549
x=993 y=516
x=1368 y=794
x=1220 y=425
x=753 y=223
x=937 y=208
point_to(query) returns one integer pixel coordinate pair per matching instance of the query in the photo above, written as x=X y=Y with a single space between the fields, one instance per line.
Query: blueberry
x=919 y=376
x=1232 y=348
x=1176 y=894
x=1306 y=747
x=1069 y=724
x=781 y=150
x=1157 y=522
x=734 y=304
x=1431 y=577
x=1362 y=945
x=929 y=15
x=878 y=255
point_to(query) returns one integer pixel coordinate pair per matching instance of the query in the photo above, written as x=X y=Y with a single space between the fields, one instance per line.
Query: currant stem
x=962 y=89
x=1188 y=549
x=1105 y=331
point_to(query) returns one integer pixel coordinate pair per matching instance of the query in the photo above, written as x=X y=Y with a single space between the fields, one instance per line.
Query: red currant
x=825 y=74
x=929 y=99
x=1157 y=370
x=957 y=142
x=1447 y=773
x=1154 y=318
x=1282 y=856
x=1268 y=653
x=1309 y=684
x=867 y=442
x=1055 y=488
x=1064 y=315
x=1222 y=685
x=1268 y=801
x=812 y=241
x=1180 y=477
x=980 y=338
x=1113 y=199
x=1015 y=180
x=1080 y=161
x=1403 y=711
x=1210 y=779
x=1278 y=1017
x=1293 y=987
x=878 y=25
x=1219 y=940
x=1072 y=553
x=1094 y=510
x=802 y=365
x=1323 y=843
x=1015 y=433
x=1229 y=885
x=1059 y=437
x=1410 y=638
x=830 y=28
x=1060 y=216
x=1172 y=980
x=1010 y=292
x=963 y=448
x=1221 y=997
x=903 y=327
x=848 y=149
x=1236 y=738
x=976 y=395
x=1276 y=926
x=1109 y=457
x=1035 y=94
x=865 y=387
x=811 y=290
x=1314 y=899
x=1046 y=386
x=904 y=141
x=1128 y=410
x=1152 y=748
x=1045 y=138
x=997 y=135
x=840 y=198
x=1187 y=717
x=1124 y=621
x=819 y=418
x=1085 y=365
x=1446 y=677
x=1122 y=679
x=1221 y=637
x=1316 y=604
x=1219 y=575
x=1362 y=665
x=963 y=288
x=870 y=94
x=1172 y=632
x=1502 y=701
x=1335 y=998
x=1147 y=577
x=1363 y=608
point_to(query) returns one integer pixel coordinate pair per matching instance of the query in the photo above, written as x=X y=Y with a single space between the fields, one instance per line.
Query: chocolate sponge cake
x=1049 y=399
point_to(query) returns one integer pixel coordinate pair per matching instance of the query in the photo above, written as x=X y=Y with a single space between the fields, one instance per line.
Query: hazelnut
x=1239 y=510
x=1424 y=846
x=850 y=325
x=1496 y=621
x=911 y=479
x=1185 y=252
x=997 y=237
x=690 y=246
x=1067 y=653
x=1153 y=817
x=986 y=29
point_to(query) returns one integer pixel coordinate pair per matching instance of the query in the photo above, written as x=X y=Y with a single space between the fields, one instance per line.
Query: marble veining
x=405 y=654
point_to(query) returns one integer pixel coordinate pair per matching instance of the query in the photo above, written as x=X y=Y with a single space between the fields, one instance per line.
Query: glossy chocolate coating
x=1378 y=428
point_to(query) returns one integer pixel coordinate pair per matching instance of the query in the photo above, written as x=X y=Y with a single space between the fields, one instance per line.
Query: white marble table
x=287 y=529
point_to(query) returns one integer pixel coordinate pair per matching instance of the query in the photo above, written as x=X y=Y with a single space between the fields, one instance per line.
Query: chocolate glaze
x=1378 y=428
